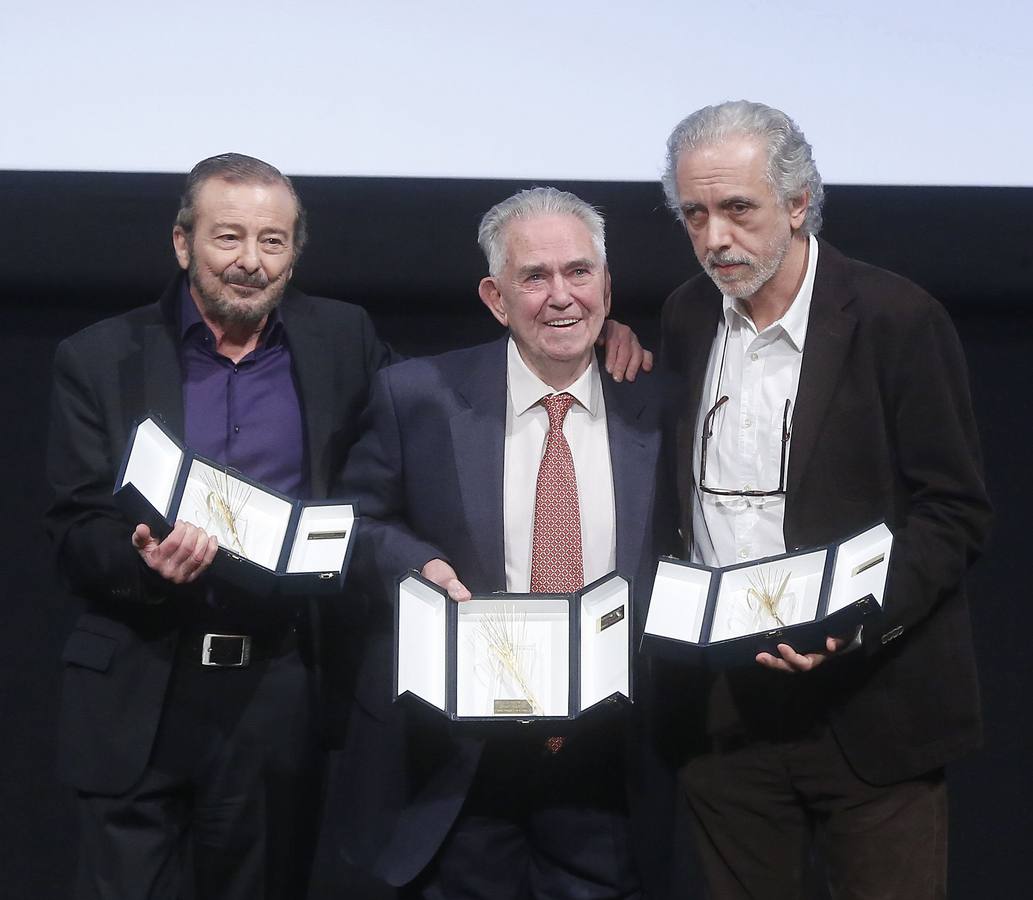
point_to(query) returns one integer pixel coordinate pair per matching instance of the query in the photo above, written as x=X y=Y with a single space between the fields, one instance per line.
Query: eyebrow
x=532 y=269
x=236 y=227
x=692 y=205
x=732 y=201
x=538 y=268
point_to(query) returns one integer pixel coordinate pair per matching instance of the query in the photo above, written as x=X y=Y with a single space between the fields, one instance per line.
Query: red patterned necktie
x=557 y=566
x=556 y=562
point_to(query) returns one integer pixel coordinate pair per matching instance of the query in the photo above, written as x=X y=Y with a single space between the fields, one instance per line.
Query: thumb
x=142 y=537
x=458 y=591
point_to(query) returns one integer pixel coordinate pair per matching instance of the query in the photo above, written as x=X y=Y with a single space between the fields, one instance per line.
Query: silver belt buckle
x=244 y=643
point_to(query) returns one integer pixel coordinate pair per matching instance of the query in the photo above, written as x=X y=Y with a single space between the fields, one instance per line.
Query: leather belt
x=222 y=650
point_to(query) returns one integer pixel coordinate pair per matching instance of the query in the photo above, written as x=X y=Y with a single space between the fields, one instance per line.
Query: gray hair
x=539 y=201
x=237 y=168
x=791 y=168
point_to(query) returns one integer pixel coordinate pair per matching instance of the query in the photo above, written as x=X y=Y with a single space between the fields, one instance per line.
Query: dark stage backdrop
x=77 y=247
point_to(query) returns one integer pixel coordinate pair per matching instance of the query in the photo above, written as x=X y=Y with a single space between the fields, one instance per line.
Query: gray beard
x=761 y=271
x=233 y=312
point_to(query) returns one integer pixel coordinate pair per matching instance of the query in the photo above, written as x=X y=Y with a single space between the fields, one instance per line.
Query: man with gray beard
x=834 y=396
x=189 y=709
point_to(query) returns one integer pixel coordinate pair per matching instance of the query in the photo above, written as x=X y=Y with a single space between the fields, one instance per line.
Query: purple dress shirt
x=246 y=415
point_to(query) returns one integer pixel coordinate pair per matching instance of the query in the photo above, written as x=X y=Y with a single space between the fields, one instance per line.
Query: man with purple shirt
x=172 y=748
x=168 y=747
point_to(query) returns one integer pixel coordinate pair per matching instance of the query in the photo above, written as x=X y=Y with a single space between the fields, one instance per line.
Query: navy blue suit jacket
x=428 y=476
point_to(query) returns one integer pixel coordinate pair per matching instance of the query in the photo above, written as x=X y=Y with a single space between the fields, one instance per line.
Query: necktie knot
x=557 y=406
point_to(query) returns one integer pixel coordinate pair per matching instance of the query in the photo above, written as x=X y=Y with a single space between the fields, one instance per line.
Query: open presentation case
x=268 y=543
x=506 y=657
x=726 y=616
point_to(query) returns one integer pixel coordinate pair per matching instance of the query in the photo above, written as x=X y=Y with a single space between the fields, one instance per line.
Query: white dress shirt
x=527 y=424
x=758 y=372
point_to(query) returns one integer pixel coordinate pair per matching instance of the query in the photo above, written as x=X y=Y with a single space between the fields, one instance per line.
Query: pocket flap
x=94 y=651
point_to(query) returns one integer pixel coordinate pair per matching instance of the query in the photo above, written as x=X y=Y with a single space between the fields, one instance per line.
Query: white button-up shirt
x=527 y=424
x=758 y=372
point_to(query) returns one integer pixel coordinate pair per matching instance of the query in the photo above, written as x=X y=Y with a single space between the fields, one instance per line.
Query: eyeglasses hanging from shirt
x=708 y=433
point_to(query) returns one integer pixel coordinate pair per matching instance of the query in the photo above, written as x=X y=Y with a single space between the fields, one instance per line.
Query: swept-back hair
x=539 y=201
x=237 y=168
x=791 y=168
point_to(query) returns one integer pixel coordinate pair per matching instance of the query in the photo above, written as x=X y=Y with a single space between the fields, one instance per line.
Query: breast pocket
x=89 y=650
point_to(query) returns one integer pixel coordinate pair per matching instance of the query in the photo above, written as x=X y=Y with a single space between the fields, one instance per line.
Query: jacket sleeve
x=945 y=509
x=375 y=476
x=90 y=535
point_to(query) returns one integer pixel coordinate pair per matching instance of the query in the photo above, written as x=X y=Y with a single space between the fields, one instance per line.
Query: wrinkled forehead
x=271 y=199
x=737 y=162
x=549 y=236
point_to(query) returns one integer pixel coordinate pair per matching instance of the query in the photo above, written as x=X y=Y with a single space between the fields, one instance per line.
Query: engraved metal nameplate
x=512 y=707
x=611 y=618
x=327 y=535
x=867 y=564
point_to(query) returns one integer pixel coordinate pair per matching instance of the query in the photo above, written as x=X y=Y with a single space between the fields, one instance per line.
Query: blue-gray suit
x=428 y=476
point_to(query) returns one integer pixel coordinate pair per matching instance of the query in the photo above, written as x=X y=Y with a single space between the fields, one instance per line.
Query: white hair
x=539 y=201
x=791 y=168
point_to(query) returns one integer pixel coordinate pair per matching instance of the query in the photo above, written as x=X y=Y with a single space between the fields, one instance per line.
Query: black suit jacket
x=106 y=377
x=883 y=429
x=428 y=474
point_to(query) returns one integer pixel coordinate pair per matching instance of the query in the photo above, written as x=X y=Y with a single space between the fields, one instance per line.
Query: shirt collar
x=526 y=388
x=794 y=323
x=190 y=320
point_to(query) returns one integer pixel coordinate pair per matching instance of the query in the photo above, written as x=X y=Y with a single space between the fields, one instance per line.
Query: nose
x=559 y=292
x=717 y=234
x=248 y=258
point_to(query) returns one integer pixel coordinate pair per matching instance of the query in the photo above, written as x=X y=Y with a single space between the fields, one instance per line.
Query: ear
x=798 y=210
x=491 y=297
x=181 y=244
x=606 y=289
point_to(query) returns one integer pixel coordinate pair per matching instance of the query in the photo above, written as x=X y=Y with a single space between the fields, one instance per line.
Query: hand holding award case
x=726 y=616
x=267 y=542
x=513 y=657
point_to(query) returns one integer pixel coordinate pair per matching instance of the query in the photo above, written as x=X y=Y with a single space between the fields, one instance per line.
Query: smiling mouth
x=245 y=290
x=562 y=323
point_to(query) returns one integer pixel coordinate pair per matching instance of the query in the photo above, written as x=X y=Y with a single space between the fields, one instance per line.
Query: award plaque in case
x=267 y=542
x=506 y=657
x=726 y=616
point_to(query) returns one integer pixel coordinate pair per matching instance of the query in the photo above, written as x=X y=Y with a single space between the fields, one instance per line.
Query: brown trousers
x=761 y=808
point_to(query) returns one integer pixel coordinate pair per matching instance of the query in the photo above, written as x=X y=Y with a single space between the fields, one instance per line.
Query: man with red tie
x=508 y=466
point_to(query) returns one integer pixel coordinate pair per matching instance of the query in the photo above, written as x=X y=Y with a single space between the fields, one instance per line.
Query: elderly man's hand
x=182 y=557
x=789 y=660
x=624 y=354
x=444 y=576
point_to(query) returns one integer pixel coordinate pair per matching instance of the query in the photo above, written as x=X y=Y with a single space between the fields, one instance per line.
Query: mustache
x=727 y=259
x=245 y=279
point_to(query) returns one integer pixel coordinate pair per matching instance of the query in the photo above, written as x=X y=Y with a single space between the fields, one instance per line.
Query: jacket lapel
x=162 y=375
x=829 y=330
x=634 y=451
x=478 y=441
x=700 y=326
x=312 y=363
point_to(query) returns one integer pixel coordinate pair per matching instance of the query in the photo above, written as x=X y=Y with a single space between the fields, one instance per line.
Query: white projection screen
x=888 y=91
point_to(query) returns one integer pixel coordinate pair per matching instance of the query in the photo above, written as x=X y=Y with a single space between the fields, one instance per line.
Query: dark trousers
x=232 y=785
x=540 y=825
x=757 y=807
